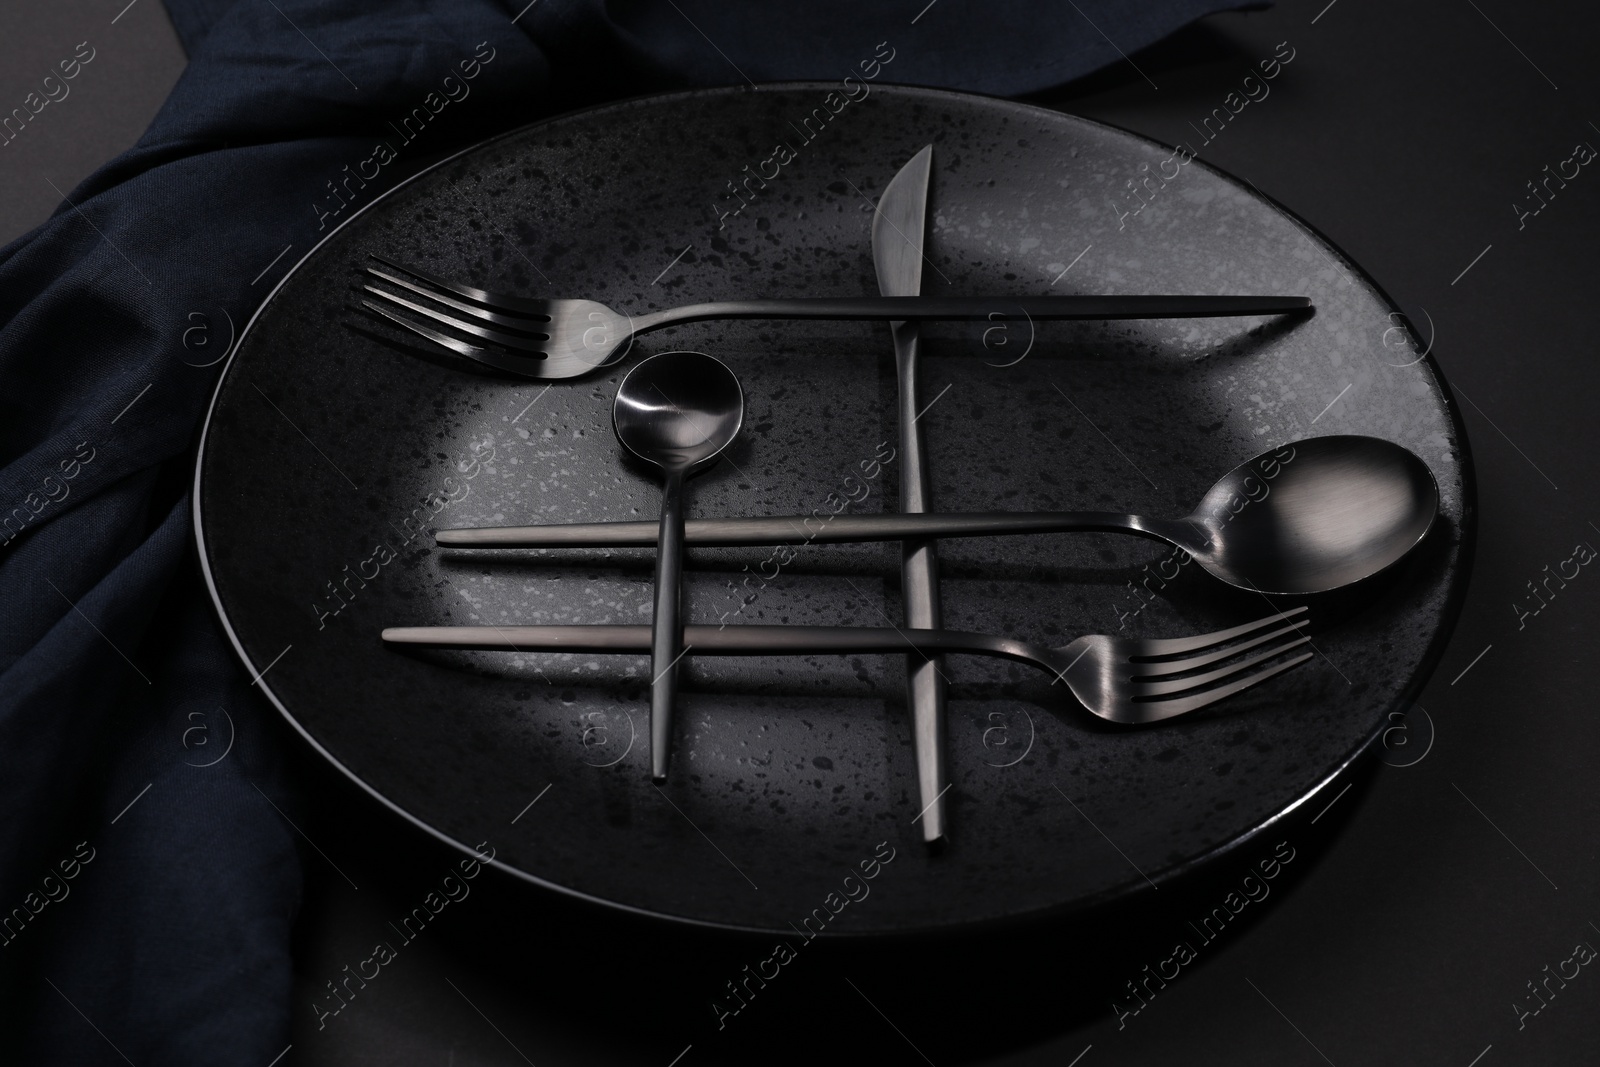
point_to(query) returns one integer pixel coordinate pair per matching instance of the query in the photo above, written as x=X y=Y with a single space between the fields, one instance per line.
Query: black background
x=1420 y=902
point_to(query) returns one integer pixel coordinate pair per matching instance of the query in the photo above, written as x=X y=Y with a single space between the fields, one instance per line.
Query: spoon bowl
x=1312 y=516
x=678 y=410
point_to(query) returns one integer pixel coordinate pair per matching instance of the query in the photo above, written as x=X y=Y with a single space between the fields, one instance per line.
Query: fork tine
x=1164 y=667
x=529 y=343
x=1161 y=687
x=524 y=323
x=1154 y=710
x=455 y=345
x=505 y=362
x=1177 y=646
x=488 y=299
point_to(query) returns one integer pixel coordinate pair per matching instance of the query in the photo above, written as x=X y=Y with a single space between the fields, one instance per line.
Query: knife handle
x=919 y=591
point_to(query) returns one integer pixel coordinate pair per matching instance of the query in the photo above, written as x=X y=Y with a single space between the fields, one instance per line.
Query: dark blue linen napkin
x=149 y=870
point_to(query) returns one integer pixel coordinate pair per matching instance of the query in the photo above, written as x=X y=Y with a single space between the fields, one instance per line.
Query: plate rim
x=1450 y=612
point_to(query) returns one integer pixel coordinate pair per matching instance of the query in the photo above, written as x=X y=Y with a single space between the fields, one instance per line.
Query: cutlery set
x=1312 y=516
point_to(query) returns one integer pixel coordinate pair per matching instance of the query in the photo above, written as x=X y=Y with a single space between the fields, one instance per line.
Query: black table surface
x=1428 y=909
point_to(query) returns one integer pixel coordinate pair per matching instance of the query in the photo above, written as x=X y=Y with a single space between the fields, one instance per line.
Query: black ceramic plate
x=333 y=440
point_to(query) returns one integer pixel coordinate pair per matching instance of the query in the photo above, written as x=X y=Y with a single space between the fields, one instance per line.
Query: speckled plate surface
x=333 y=441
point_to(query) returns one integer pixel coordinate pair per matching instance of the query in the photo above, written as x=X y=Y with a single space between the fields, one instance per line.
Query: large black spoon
x=1308 y=517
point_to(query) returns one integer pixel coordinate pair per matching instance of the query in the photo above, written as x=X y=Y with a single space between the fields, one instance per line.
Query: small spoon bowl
x=678 y=410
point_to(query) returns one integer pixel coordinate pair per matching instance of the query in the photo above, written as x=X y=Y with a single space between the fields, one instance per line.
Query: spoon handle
x=666 y=631
x=812 y=529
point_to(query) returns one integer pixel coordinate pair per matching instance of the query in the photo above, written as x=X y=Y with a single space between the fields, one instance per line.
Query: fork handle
x=717 y=640
x=923 y=308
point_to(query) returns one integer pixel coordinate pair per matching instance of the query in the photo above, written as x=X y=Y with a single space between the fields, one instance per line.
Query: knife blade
x=898 y=229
